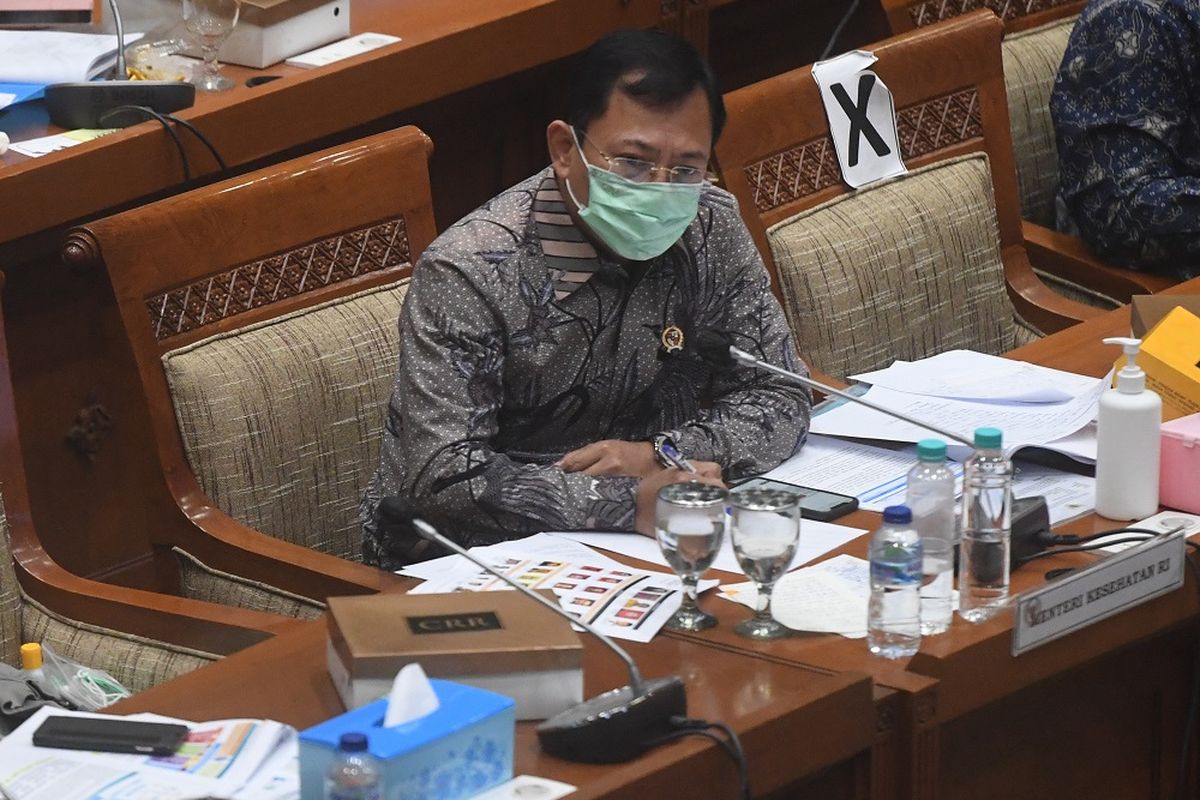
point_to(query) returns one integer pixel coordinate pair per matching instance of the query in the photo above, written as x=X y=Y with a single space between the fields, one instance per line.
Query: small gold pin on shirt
x=672 y=338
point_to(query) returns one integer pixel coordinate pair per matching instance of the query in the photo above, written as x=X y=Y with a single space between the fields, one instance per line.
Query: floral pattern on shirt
x=1126 y=110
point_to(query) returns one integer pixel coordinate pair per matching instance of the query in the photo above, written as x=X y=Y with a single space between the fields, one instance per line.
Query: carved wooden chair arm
x=1069 y=258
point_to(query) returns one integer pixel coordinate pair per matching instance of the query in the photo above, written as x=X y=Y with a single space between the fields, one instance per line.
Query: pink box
x=1179 y=476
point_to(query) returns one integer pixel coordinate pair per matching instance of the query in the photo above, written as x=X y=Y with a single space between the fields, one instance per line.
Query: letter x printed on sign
x=862 y=118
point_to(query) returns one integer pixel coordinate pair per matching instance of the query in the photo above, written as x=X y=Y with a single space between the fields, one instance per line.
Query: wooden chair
x=141 y=638
x=262 y=312
x=1035 y=39
x=909 y=266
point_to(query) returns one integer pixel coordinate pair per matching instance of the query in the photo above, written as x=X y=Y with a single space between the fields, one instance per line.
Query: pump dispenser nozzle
x=1131 y=379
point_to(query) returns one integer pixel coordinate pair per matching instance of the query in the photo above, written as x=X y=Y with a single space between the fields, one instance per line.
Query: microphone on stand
x=87 y=104
x=717 y=349
x=615 y=726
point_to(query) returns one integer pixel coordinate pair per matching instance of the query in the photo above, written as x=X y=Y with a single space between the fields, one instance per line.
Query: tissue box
x=1168 y=356
x=459 y=750
x=268 y=31
x=500 y=641
x=1179 y=472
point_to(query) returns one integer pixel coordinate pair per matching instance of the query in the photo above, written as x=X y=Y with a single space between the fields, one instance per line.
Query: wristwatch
x=657 y=441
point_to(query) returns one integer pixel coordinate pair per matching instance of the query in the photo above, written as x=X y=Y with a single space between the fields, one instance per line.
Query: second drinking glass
x=689 y=525
x=766 y=531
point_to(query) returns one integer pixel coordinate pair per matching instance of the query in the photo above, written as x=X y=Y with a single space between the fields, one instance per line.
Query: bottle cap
x=353 y=742
x=989 y=438
x=1131 y=379
x=931 y=450
x=897 y=515
x=31 y=655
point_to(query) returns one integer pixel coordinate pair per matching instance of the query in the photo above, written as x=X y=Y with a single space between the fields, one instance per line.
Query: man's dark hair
x=667 y=70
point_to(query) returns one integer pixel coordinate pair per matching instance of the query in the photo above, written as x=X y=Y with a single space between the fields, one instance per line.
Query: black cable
x=203 y=139
x=1080 y=548
x=151 y=113
x=837 y=32
x=1056 y=539
x=731 y=744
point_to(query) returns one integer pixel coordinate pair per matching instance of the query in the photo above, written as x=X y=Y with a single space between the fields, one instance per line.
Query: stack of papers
x=242 y=758
x=619 y=601
x=961 y=391
x=877 y=476
x=830 y=597
x=44 y=57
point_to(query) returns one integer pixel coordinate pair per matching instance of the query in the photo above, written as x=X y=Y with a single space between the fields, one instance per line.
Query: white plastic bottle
x=1129 y=436
x=931 y=497
x=894 y=611
x=983 y=568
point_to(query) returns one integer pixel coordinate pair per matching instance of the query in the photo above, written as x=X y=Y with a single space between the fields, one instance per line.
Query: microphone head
x=713 y=347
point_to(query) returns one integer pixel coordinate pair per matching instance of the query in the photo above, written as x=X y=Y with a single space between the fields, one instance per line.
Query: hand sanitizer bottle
x=1128 y=440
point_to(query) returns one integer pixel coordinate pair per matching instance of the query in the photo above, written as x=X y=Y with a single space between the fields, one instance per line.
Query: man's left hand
x=612 y=457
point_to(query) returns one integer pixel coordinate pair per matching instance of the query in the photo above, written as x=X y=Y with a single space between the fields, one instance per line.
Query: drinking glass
x=765 y=529
x=690 y=523
x=210 y=22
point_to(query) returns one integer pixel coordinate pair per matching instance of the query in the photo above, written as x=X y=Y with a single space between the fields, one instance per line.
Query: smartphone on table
x=111 y=735
x=815 y=504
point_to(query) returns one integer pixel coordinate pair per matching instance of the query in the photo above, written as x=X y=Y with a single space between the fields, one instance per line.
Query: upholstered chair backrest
x=1031 y=61
x=903 y=268
x=281 y=420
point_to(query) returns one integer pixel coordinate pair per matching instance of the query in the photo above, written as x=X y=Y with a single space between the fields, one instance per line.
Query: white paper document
x=967 y=375
x=224 y=759
x=816 y=539
x=44 y=145
x=620 y=601
x=829 y=597
x=877 y=476
x=55 y=56
x=862 y=118
x=1023 y=424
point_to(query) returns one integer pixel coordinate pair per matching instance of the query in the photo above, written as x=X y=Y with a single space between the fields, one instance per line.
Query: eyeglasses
x=641 y=171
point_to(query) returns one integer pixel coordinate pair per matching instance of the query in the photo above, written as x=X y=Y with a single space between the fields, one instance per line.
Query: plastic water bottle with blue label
x=354 y=773
x=894 y=613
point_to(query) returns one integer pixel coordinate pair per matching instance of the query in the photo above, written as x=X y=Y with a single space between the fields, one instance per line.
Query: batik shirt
x=1126 y=109
x=519 y=343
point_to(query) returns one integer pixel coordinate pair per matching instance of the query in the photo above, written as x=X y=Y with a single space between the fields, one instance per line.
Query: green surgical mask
x=637 y=221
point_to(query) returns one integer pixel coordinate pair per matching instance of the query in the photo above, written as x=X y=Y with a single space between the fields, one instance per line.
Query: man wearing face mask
x=548 y=367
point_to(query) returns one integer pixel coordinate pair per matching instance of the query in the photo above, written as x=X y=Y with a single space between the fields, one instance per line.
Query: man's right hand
x=647 y=490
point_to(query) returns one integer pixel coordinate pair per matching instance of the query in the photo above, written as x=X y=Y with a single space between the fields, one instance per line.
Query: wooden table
x=807 y=733
x=1097 y=714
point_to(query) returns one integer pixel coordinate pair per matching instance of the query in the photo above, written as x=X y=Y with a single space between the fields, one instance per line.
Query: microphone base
x=81 y=105
x=615 y=726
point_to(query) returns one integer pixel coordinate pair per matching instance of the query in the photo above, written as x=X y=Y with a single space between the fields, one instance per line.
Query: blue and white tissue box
x=459 y=750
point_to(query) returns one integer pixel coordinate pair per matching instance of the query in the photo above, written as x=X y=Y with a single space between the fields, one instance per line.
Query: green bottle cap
x=989 y=438
x=931 y=450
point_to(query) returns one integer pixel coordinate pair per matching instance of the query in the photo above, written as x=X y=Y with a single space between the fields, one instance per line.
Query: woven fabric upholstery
x=1078 y=292
x=138 y=663
x=201 y=582
x=10 y=600
x=1031 y=61
x=281 y=420
x=902 y=269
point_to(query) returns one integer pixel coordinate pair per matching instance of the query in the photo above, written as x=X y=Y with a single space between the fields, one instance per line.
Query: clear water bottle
x=986 y=528
x=931 y=499
x=894 y=613
x=354 y=773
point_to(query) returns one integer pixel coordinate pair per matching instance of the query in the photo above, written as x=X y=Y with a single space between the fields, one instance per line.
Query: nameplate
x=1119 y=582
x=455 y=623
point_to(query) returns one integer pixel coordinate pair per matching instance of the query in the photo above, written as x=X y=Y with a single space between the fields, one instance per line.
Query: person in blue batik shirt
x=549 y=340
x=1126 y=110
